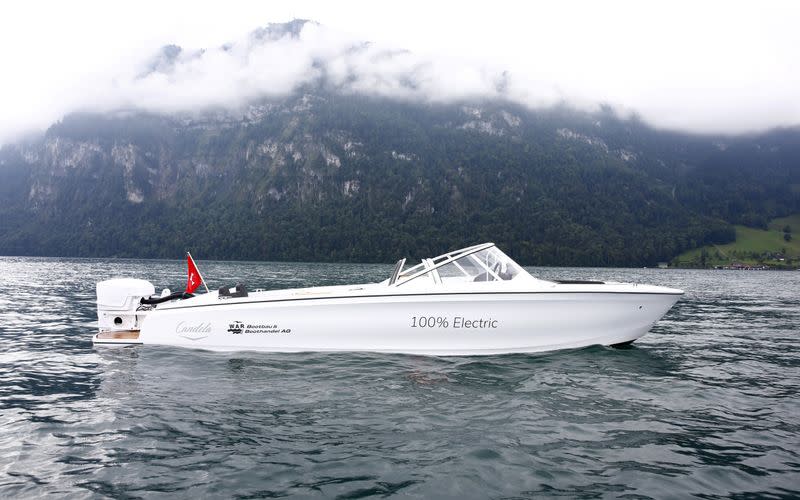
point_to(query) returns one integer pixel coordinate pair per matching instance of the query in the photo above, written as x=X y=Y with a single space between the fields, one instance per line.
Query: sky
x=708 y=67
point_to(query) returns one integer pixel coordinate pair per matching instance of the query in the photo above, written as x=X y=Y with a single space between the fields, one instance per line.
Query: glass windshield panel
x=486 y=265
x=464 y=268
x=497 y=265
x=406 y=272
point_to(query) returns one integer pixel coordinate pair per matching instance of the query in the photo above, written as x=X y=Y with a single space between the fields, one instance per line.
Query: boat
x=472 y=301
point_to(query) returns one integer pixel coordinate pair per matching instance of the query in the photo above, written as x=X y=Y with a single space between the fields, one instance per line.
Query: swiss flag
x=194 y=279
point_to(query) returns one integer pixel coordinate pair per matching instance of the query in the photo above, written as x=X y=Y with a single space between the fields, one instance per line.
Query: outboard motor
x=118 y=301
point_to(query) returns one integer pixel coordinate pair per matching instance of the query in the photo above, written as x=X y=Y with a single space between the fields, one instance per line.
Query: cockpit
x=479 y=263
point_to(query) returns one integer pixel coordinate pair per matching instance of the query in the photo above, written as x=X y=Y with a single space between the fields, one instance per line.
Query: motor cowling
x=118 y=301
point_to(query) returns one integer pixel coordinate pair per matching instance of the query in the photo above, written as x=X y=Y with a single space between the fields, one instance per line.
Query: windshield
x=474 y=264
x=486 y=265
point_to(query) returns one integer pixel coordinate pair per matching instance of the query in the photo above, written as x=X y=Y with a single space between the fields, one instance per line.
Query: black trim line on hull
x=227 y=303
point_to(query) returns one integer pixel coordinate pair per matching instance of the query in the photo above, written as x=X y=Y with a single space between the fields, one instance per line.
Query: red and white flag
x=195 y=278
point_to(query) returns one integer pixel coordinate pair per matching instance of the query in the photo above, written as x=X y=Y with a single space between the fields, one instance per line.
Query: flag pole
x=202 y=280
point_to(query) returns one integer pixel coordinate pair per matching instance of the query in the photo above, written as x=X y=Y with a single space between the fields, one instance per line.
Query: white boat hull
x=431 y=324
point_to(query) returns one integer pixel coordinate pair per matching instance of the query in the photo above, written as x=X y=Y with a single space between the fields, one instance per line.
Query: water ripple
x=706 y=405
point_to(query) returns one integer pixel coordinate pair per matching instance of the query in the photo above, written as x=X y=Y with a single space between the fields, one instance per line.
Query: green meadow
x=752 y=247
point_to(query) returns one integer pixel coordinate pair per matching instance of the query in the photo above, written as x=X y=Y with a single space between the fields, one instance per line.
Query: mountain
x=323 y=176
x=327 y=173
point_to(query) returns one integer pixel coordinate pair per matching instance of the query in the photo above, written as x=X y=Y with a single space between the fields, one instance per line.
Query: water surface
x=706 y=404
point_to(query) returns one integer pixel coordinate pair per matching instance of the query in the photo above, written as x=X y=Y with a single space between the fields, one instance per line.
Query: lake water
x=707 y=404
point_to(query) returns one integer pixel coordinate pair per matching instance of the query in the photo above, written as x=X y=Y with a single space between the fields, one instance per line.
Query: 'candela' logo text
x=193 y=332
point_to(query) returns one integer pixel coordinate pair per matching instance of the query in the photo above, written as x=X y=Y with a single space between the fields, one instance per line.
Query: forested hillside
x=327 y=176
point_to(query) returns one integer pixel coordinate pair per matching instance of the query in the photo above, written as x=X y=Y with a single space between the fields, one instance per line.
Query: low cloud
x=281 y=58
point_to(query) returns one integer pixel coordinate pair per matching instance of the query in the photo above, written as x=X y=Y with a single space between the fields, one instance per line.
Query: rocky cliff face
x=330 y=176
